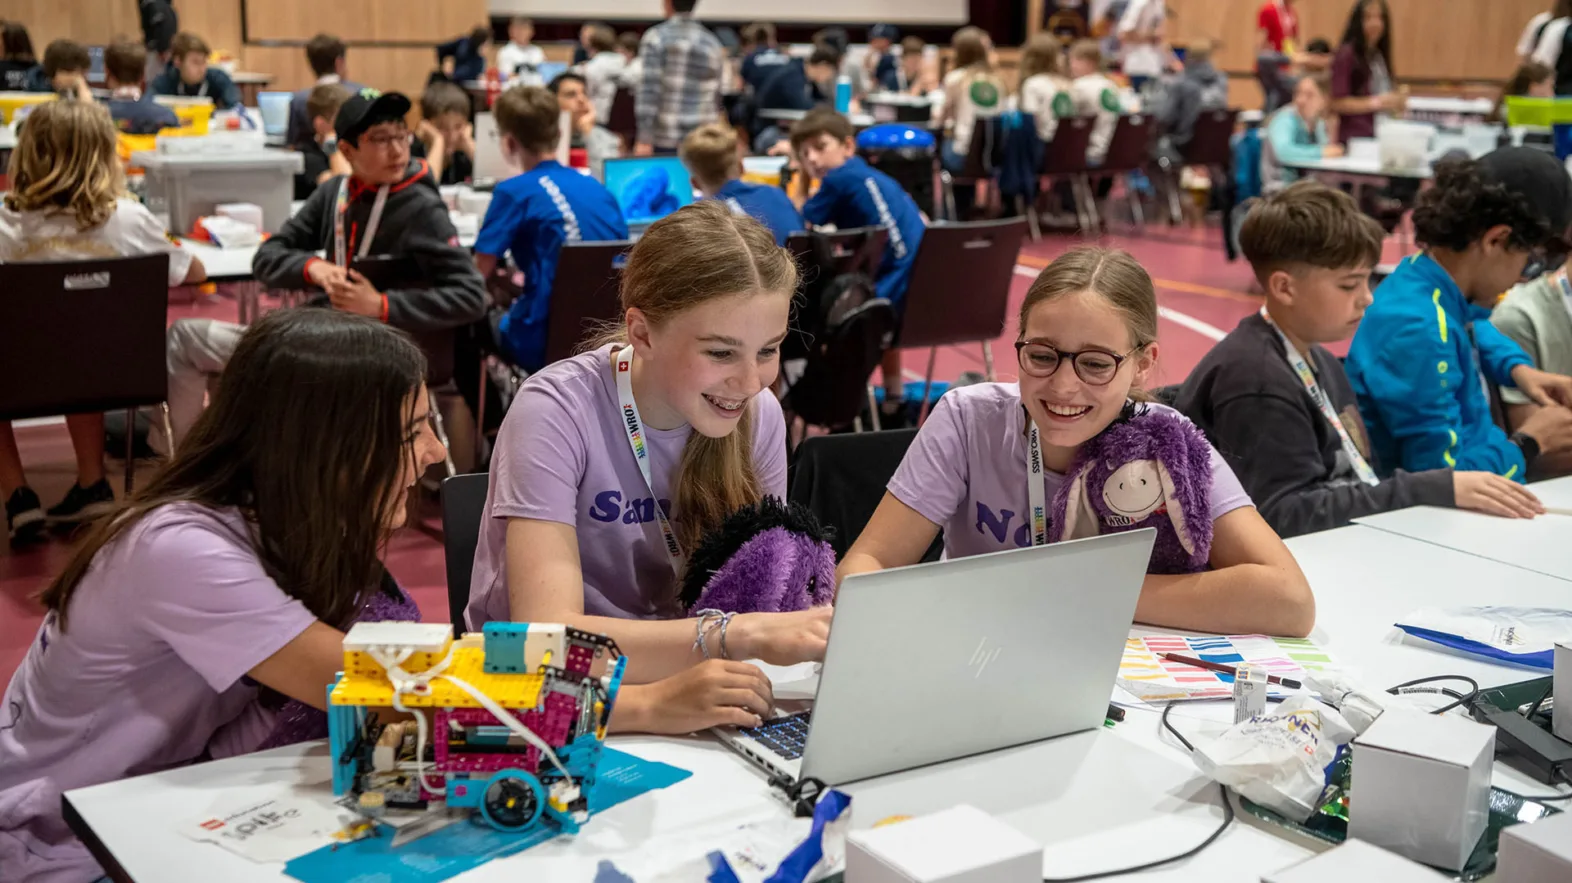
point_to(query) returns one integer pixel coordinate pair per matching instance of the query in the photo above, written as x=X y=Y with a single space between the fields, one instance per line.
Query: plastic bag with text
x=1279 y=759
x=1520 y=635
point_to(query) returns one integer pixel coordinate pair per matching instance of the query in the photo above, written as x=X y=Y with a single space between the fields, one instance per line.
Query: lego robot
x=508 y=723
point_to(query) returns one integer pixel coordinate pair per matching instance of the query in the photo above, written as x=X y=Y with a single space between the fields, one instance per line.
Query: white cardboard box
x=1561 y=713
x=961 y=844
x=1538 y=852
x=1421 y=786
x=1355 y=860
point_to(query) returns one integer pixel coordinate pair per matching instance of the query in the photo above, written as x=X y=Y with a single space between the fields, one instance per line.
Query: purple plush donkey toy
x=767 y=558
x=1150 y=468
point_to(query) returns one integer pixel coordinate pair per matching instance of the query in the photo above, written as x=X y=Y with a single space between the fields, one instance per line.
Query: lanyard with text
x=1307 y=377
x=1034 y=484
x=622 y=362
x=340 y=251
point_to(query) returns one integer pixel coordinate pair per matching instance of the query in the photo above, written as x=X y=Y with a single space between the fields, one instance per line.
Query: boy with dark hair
x=912 y=79
x=761 y=58
x=1426 y=342
x=65 y=68
x=464 y=59
x=521 y=58
x=714 y=159
x=387 y=210
x=603 y=71
x=189 y=75
x=1278 y=406
x=882 y=64
x=854 y=194
x=134 y=112
x=683 y=65
x=598 y=141
x=445 y=139
x=796 y=85
x=633 y=66
x=533 y=214
x=320 y=156
x=328 y=57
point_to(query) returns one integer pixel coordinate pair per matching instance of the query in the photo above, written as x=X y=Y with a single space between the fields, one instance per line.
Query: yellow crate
x=11 y=102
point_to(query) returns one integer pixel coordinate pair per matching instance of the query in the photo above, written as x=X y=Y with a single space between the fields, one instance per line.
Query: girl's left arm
x=1254 y=587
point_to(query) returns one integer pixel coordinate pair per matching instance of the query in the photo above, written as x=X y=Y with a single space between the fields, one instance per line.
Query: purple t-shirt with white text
x=966 y=472
x=166 y=622
x=562 y=455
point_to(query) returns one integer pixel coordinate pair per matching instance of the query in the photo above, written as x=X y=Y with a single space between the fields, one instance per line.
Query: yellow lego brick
x=514 y=691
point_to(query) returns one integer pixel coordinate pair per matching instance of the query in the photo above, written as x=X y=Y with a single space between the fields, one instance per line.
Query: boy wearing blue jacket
x=1416 y=361
x=855 y=194
x=711 y=154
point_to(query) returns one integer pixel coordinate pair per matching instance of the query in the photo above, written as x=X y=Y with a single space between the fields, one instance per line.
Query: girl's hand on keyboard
x=780 y=638
x=714 y=693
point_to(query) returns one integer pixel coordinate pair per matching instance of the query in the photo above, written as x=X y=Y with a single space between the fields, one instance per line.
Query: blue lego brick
x=343 y=728
x=464 y=792
x=505 y=647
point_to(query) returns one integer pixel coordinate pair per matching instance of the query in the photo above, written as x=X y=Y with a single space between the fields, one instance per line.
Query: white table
x=1097 y=800
x=1446 y=109
x=1542 y=545
x=1344 y=167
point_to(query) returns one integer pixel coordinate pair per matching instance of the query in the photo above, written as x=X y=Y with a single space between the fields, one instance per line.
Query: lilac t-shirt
x=162 y=628
x=562 y=455
x=966 y=472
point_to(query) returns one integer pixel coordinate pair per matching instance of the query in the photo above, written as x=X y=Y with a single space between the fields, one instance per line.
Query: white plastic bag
x=1278 y=760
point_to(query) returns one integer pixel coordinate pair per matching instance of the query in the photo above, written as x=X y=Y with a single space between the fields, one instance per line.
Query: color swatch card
x=1145 y=674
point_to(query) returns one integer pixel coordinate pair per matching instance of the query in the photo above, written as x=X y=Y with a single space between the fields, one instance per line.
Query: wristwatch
x=1528 y=445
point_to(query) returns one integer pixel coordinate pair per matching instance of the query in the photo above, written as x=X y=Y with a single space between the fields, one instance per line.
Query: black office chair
x=584 y=294
x=842 y=478
x=463 y=502
x=833 y=388
x=960 y=289
x=1064 y=158
x=85 y=336
x=827 y=261
x=1129 y=150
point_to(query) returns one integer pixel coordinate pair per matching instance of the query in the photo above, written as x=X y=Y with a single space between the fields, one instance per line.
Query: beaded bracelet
x=700 y=632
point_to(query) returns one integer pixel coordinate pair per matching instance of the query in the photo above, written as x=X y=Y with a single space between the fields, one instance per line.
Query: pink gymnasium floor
x=1200 y=296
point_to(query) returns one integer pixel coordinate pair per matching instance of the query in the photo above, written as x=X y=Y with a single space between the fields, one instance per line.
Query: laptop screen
x=95 y=65
x=549 y=70
x=648 y=188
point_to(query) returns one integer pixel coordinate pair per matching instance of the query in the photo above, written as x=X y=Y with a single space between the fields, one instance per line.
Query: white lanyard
x=340 y=252
x=633 y=426
x=1307 y=377
x=1034 y=484
x=1566 y=291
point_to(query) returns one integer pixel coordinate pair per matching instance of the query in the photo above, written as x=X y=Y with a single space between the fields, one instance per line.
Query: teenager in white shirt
x=520 y=60
x=68 y=202
x=603 y=72
x=1095 y=95
x=1146 y=52
x=1045 y=90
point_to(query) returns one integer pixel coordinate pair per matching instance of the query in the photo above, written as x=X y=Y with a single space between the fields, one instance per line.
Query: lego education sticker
x=272 y=830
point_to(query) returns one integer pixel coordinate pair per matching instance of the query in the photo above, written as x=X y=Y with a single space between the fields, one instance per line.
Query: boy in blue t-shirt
x=854 y=194
x=711 y=155
x=190 y=76
x=134 y=111
x=532 y=215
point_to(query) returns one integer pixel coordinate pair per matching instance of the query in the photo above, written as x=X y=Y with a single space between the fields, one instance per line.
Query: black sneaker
x=84 y=503
x=24 y=516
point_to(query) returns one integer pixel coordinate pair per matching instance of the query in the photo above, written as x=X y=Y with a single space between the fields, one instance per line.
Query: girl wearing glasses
x=1088 y=341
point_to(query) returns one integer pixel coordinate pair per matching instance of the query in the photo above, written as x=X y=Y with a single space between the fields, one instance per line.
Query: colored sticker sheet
x=1145 y=674
x=460 y=847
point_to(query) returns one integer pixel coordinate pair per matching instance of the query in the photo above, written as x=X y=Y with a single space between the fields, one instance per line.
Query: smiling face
x=422 y=450
x=705 y=363
x=1134 y=490
x=1067 y=410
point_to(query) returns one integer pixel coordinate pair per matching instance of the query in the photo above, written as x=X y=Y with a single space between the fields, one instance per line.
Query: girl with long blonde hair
x=67 y=202
x=611 y=465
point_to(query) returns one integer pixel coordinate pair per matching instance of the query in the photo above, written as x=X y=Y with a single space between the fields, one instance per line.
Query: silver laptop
x=938 y=661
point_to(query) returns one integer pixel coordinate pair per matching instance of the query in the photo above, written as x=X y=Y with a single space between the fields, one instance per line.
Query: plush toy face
x=1134 y=490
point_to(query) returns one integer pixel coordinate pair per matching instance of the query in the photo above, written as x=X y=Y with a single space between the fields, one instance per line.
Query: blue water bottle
x=842 y=94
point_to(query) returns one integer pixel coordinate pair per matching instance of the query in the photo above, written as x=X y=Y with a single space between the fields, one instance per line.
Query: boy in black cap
x=388 y=213
x=1417 y=359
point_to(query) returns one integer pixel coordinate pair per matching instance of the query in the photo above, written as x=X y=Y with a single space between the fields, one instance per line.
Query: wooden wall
x=389 y=40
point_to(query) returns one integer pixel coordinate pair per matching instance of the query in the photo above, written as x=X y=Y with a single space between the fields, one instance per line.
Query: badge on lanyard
x=1301 y=367
x=1035 y=495
x=341 y=208
x=633 y=427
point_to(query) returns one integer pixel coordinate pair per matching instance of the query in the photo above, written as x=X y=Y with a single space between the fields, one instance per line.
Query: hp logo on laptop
x=983 y=656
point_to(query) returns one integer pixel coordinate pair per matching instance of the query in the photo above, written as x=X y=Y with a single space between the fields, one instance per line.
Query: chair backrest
x=986 y=152
x=842 y=478
x=1066 y=153
x=1130 y=148
x=621 y=120
x=960 y=282
x=1211 y=141
x=463 y=502
x=833 y=387
x=82 y=336
x=823 y=258
x=584 y=294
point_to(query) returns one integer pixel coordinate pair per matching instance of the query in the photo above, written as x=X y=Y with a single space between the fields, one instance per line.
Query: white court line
x=1205 y=329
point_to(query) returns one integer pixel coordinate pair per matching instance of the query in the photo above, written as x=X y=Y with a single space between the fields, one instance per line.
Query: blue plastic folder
x=461 y=847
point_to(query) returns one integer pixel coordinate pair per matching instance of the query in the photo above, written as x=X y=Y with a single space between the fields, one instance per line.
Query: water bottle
x=842 y=94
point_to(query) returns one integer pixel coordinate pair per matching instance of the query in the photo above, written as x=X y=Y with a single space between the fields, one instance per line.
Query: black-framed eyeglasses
x=1096 y=367
x=1547 y=258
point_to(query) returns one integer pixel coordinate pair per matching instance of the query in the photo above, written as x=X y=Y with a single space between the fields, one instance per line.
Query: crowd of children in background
x=1298 y=441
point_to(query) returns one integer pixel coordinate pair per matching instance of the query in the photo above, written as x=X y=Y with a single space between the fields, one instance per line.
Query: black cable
x=1467 y=700
x=1228 y=819
x=1540 y=701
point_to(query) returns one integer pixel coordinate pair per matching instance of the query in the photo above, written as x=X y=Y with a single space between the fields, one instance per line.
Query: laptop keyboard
x=784 y=735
